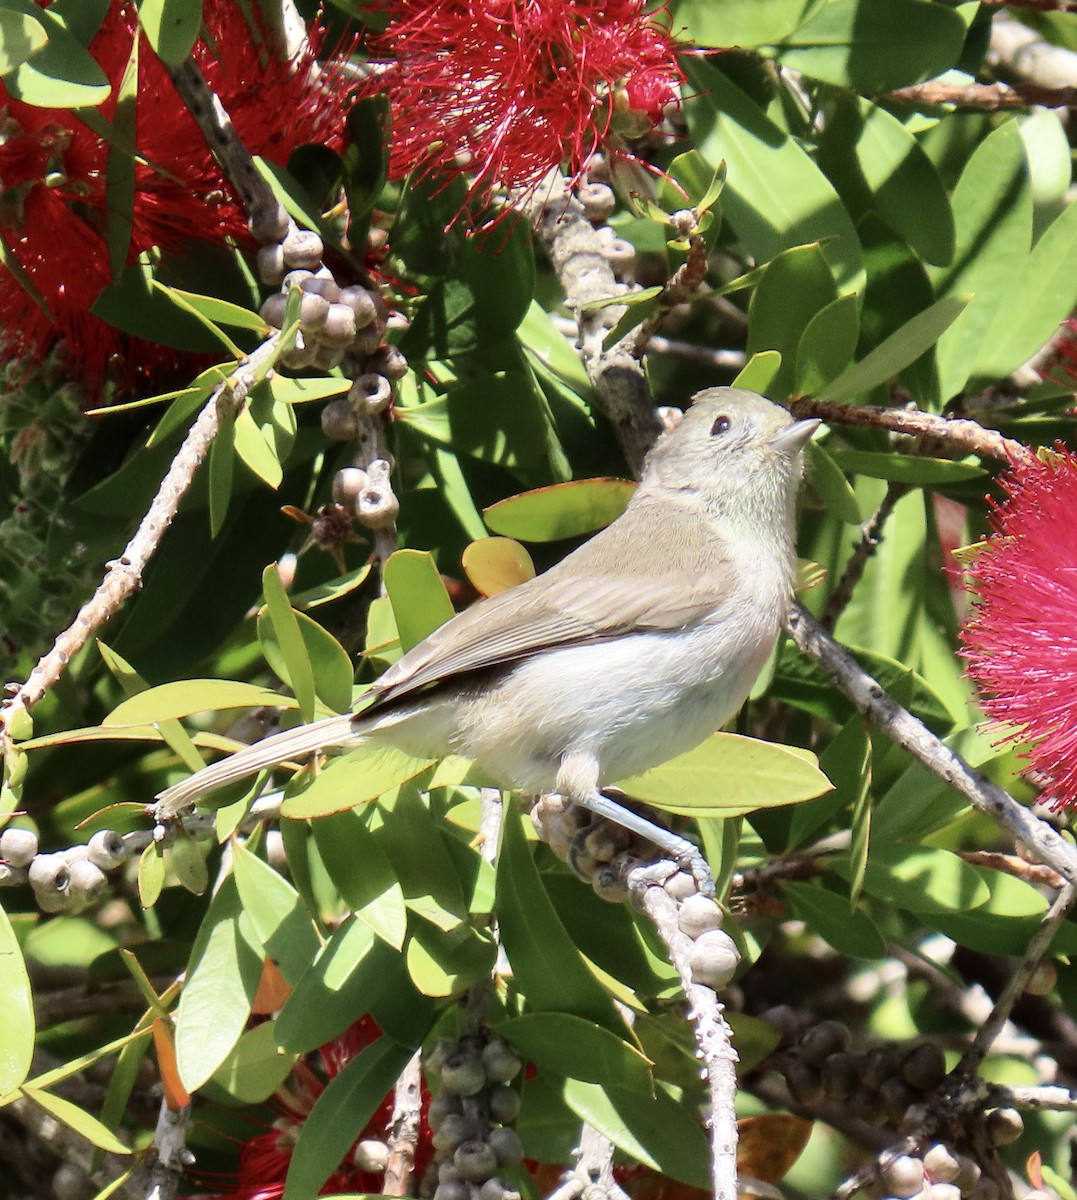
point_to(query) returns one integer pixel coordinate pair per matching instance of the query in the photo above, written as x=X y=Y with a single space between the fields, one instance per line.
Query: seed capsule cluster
x=887 y=1084
x=67 y=881
x=471 y=1119
x=599 y=202
x=602 y=854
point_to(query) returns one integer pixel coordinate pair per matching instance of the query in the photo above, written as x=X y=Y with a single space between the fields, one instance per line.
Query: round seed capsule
x=295 y=279
x=941 y=1191
x=303 y=248
x=455 y=1189
x=439 y=1054
x=454 y=1130
x=598 y=201
x=499 y=1189
x=313 y=310
x=18 y=846
x=941 y=1163
x=322 y=285
x=388 y=361
x=444 y=1104
x=698 y=914
x=504 y=1103
x=74 y=854
x=368 y=338
x=269 y=222
x=475 y=1160
x=378 y=507
x=371 y=393
x=805 y=1083
x=607 y=884
x=107 y=849
x=897 y=1097
x=362 y=304
x=49 y=872
x=347 y=484
x=924 y=1066
x=86 y=884
x=339 y=421
x=339 y=327
x=713 y=958
x=904 y=1176
x=500 y=1063
x=507 y=1147
x=621 y=256
x=464 y=1074
x=371 y=1155
x=822 y=1040
x=272 y=311
x=680 y=886
x=270 y=263
x=841 y=1074
x=1004 y=1125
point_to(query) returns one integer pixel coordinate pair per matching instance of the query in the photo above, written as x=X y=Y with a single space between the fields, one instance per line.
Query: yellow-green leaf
x=186 y=696
x=562 y=510
x=729 y=774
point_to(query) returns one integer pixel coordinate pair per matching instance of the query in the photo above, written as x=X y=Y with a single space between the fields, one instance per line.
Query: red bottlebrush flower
x=264 y=1159
x=1021 y=637
x=53 y=178
x=504 y=90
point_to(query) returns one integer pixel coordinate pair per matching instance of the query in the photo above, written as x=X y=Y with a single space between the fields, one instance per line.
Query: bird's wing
x=578 y=601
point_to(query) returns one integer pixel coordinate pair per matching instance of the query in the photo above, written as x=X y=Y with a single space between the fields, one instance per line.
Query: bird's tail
x=328 y=734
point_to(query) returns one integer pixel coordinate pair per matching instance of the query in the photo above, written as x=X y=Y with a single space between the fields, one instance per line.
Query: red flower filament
x=1021 y=638
x=504 y=90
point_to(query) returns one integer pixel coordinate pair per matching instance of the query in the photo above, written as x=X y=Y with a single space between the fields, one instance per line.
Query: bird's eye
x=721 y=425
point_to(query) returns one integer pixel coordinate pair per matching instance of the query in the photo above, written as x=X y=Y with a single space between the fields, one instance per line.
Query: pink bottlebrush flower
x=53 y=179
x=501 y=91
x=1021 y=637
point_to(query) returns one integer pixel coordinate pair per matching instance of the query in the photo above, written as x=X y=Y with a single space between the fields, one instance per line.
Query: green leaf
x=256 y=1068
x=151 y=875
x=901 y=348
x=338 y=987
x=598 y=1056
x=365 y=159
x=827 y=345
x=919 y=879
x=21 y=35
x=846 y=762
x=277 y=915
x=727 y=775
x=1006 y=922
x=17 y=1030
x=875 y=45
x=222 y=979
x=544 y=342
x=657 y=1131
x=850 y=932
x=363 y=875
x=775 y=197
x=61 y=74
x=829 y=482
x=171 y=27
x=793 y=289
x=448 y=962
x=412 y=841
x=184 y=697
x=563 y=510
x=992 y=206
x=1047 y=149
x=257 y=450
x=908 y=468
x=743 y=23
x=546 y=966
x=1036 y=303
x=306 y=391
x=329 y=662
x=77 y=1119
x=289 y=641
x=332 y=589
x=188 y=863
x=419 y=599
x=347 y=1104
x=356 y=778
x=759 y=371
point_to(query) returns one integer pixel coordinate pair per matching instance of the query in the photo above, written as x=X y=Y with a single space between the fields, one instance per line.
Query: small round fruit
x=823 y=1039
x=303 y=248
x=504 y=1103
x=86 y=883
x=272 y=311
x=464 y=1074
x=270 y=264
x=339 y=421
x=361 y=302
x=475 y=1160
x=1004 y=1126
x=941 y=1163
x=924 y=1066
x=506 y=1145
x=804 y=1082
x=339 y=327
x=680 y=886
x=49 y=872
x=841 y=1074
x=18 y=847
x=456 y=1189
x=269 y=222
x=499 y=1189
x=371 y=393
x=608 y=884
x=697 y=915
x=453 y=1130
x=713 y=959
x=371 y=1155
x=500 y=1062
x=313 y=311
x=107 y=849
x=904 y=1176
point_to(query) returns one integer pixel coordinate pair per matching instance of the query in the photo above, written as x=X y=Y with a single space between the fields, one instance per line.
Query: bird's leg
x=683 y=852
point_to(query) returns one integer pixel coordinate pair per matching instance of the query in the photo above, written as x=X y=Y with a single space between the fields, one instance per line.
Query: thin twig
x=1019 y=977
x=162 y=1177
x=404 y=1128
x=704 y=356
x=988 y=97
x=870 y=536
x=575 y=251
x=714 y=1038
x=682 y=287
x=917 y=740
x=959 y=432
x=1041 y=1098
x=124 y=574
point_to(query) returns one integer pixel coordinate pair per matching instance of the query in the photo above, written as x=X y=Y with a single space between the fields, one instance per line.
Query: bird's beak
x=794 y=437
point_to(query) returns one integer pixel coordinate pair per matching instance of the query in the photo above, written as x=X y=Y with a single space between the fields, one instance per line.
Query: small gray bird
x=630 y=651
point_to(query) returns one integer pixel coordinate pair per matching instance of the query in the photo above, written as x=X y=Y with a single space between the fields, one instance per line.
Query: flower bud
x=107 y=849
x=713 y=958
x=18 y=846
x=303 y=248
